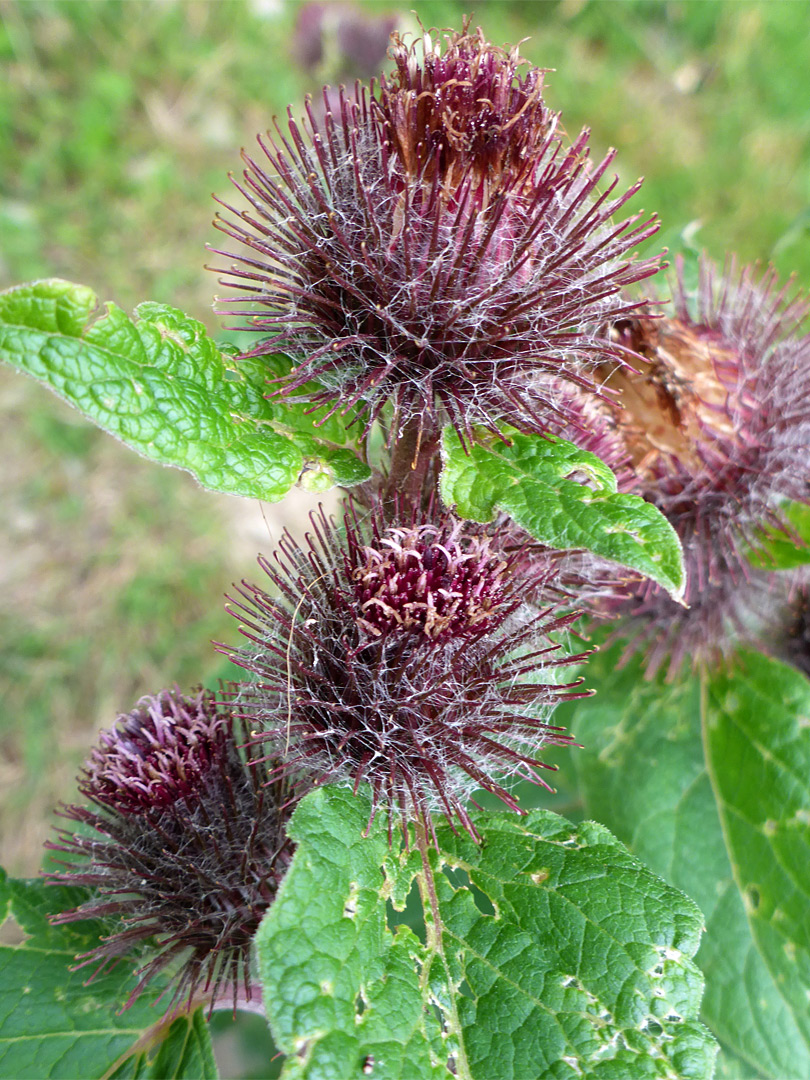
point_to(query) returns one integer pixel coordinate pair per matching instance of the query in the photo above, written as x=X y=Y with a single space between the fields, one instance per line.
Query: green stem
x=434 y=941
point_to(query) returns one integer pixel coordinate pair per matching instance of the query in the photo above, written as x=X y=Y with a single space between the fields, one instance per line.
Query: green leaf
x=180 y=1052
x=529 y=479
x=555 y=953
x=53 y=1025
x=160 y=384
x=757 y=738
x=643 y=772
x=338 y=986
x=583 y=968
x=776 y=550
x=682 y=247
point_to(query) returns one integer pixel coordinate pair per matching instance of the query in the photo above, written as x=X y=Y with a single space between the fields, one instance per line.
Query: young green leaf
x=555 y=953
x=160 y=384
x=52 y=1024
x=643 y=772
x=182 y=1051
x=683 y=250
x=528 y=478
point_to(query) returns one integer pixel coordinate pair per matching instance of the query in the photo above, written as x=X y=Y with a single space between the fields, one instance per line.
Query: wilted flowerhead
x=717 y=423
x=434 y=244
x=466 y=116
x=402 y=656
x=186 y=848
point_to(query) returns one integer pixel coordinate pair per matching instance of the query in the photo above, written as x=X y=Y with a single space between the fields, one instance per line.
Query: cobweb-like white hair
x=404 y=657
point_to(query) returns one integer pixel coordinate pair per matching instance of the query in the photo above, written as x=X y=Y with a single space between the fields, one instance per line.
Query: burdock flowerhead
x=467 y=116
x=716 y=419
x=402 y=656
x=183 y=847
x=434 y=243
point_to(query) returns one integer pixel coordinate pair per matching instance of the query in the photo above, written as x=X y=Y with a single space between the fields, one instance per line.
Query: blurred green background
x=117 y=122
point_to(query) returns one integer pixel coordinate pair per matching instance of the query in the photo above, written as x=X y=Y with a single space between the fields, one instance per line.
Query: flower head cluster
x=183 y=846
x=432 y=580
x=402 y=657
x=716 y=420
x=433 y=243
x=158 y=753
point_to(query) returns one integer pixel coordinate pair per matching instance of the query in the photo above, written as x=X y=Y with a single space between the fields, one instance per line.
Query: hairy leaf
x=643 y=772
x=53 y=1025
x=583 y=968
x=529 y=478
x=160 y=384
x=555 y=953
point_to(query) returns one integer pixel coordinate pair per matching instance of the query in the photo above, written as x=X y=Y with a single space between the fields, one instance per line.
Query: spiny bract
x=432 y=242
x=402 y=656
x=184 y=847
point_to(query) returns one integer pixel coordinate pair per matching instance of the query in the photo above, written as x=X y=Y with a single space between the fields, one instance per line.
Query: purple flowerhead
x=437 y=581
x=716 y=420
x=184 y=847
x=159 y=752
x=404 y=657
x=435 y=244
x=340 y=39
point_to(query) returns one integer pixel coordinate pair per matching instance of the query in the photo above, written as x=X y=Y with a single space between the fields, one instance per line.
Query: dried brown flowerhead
x=716 y=420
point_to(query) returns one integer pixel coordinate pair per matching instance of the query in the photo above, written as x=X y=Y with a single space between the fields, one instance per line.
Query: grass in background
x=117 y=122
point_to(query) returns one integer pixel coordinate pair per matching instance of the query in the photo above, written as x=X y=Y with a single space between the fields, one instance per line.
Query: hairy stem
x=411 y=457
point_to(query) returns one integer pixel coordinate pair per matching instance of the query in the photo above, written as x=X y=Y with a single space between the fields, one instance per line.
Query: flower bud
x=184 y=848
